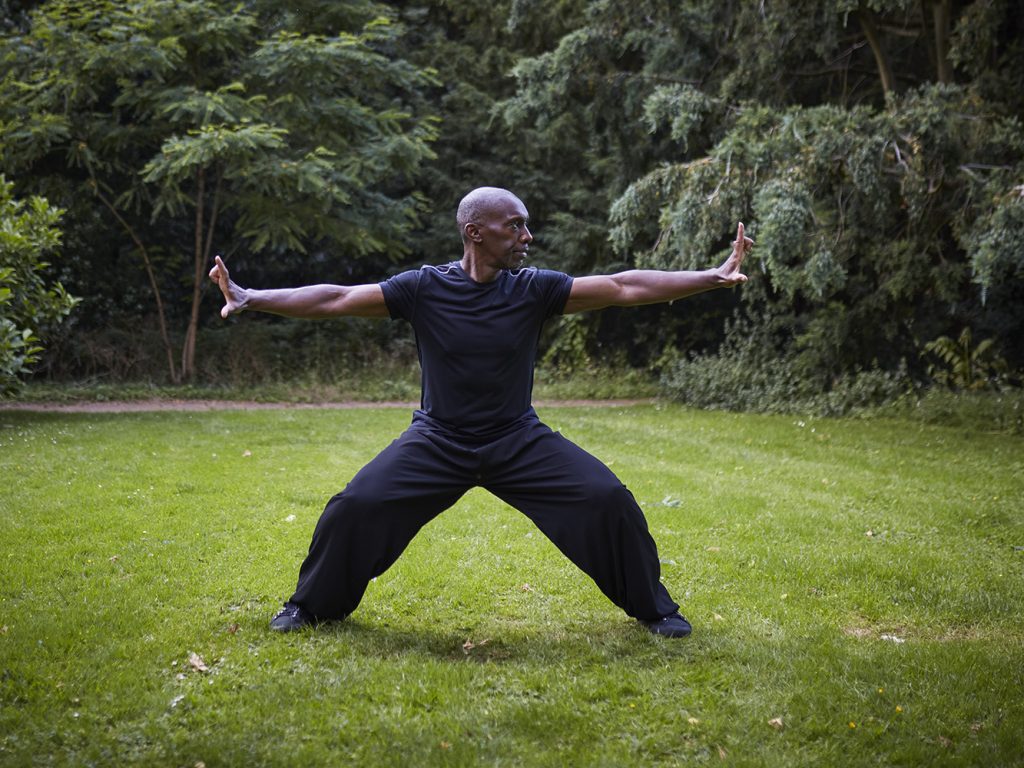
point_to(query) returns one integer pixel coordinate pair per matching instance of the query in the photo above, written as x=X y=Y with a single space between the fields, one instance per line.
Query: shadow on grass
x=598 y=642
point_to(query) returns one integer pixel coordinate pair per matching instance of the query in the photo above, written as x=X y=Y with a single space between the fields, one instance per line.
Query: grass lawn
x=856 y=588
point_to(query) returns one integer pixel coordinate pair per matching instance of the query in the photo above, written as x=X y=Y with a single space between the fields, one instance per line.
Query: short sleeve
x=555 y=287
x=400 y=294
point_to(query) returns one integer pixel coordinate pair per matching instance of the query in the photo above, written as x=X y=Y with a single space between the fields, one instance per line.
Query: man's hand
x=729 y=273
x=234 y=295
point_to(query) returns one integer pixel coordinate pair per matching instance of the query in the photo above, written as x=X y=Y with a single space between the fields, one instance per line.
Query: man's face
x=505 y=237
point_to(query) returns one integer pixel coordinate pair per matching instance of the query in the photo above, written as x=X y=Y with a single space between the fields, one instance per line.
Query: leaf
x=196 y=662
x=776 y=723
x=469 y=645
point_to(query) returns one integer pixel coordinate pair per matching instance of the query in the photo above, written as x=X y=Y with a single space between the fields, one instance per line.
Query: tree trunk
x=161 y=315
x=867 y=23
x=941 y=12
x=201 y=258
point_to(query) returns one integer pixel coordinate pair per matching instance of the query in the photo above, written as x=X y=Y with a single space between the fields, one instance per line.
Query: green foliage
x=961 y=364
x=866 y=221
x=30 y=304
x=753 y=371
x=873 y=149
x=269 y=128
x=471 y=46
x=886 y=196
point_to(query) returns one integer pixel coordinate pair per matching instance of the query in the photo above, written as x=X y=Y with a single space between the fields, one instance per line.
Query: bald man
x=477 y=323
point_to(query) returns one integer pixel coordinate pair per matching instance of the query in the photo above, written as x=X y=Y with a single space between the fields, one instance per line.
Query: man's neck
x=477 y=272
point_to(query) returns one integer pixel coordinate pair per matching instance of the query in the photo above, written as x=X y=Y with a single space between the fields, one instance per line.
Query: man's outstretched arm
x=648 y=286
x=311 y=301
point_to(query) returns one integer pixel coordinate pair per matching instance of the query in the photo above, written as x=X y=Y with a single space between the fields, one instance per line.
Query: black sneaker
x=292 y=617
x=673 y=625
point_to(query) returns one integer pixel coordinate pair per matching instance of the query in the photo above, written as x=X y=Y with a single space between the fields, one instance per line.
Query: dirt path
x=163 y=404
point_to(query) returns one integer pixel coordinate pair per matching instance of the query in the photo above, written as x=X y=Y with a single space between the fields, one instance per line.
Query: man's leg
x=364 y=529
x=580 y=505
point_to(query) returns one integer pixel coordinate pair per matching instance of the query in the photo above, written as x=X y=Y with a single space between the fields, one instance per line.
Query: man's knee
x=346 y=509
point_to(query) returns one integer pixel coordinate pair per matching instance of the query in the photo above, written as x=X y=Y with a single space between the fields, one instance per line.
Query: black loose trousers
x=574 y=499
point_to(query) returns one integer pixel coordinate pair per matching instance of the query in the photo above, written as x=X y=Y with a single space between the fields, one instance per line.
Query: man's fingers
x=219 y=270
x=742 y=244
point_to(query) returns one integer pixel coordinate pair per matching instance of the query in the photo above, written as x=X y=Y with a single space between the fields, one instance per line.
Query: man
x=477 y=323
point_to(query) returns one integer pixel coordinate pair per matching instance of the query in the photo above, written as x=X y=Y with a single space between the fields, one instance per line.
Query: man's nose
x=525 y=235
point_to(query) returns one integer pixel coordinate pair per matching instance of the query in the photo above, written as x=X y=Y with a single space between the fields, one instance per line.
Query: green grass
x=129 y=542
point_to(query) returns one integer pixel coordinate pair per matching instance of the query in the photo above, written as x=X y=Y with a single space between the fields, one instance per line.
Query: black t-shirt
x=477 y=342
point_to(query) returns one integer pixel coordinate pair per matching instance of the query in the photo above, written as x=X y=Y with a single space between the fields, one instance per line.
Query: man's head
x=493 y=224
x=482 y=202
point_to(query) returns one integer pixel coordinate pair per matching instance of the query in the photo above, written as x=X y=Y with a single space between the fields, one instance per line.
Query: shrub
x=753 y=371
x=29 y=306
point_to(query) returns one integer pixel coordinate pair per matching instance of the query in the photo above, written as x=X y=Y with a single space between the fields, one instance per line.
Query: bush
x=752 y=371
x=29 y=305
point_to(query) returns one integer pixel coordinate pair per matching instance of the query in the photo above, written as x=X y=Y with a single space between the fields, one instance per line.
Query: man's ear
x=472 y=232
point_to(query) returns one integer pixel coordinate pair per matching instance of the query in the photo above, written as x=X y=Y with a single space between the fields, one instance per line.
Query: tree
x=874 y=149
x=267 y=128
x=472 y=47
x=29 y=305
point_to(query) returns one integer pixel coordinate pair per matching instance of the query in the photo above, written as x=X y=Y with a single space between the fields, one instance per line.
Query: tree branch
x=160 y=315
x=867 y=23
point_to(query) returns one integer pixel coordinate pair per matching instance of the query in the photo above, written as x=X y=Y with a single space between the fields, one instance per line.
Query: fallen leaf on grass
x=526 y=588
x=722 y=754
x=290 y=519
x=233 y=629
x=196 y=662
x=947 y=743
x=469 y=645
x=776 y=723
x=692 y=720
x=445 y=745
x=892 y=639
x=247 y=454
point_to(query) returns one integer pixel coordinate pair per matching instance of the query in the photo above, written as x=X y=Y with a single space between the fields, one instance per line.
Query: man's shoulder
x=533 y=272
